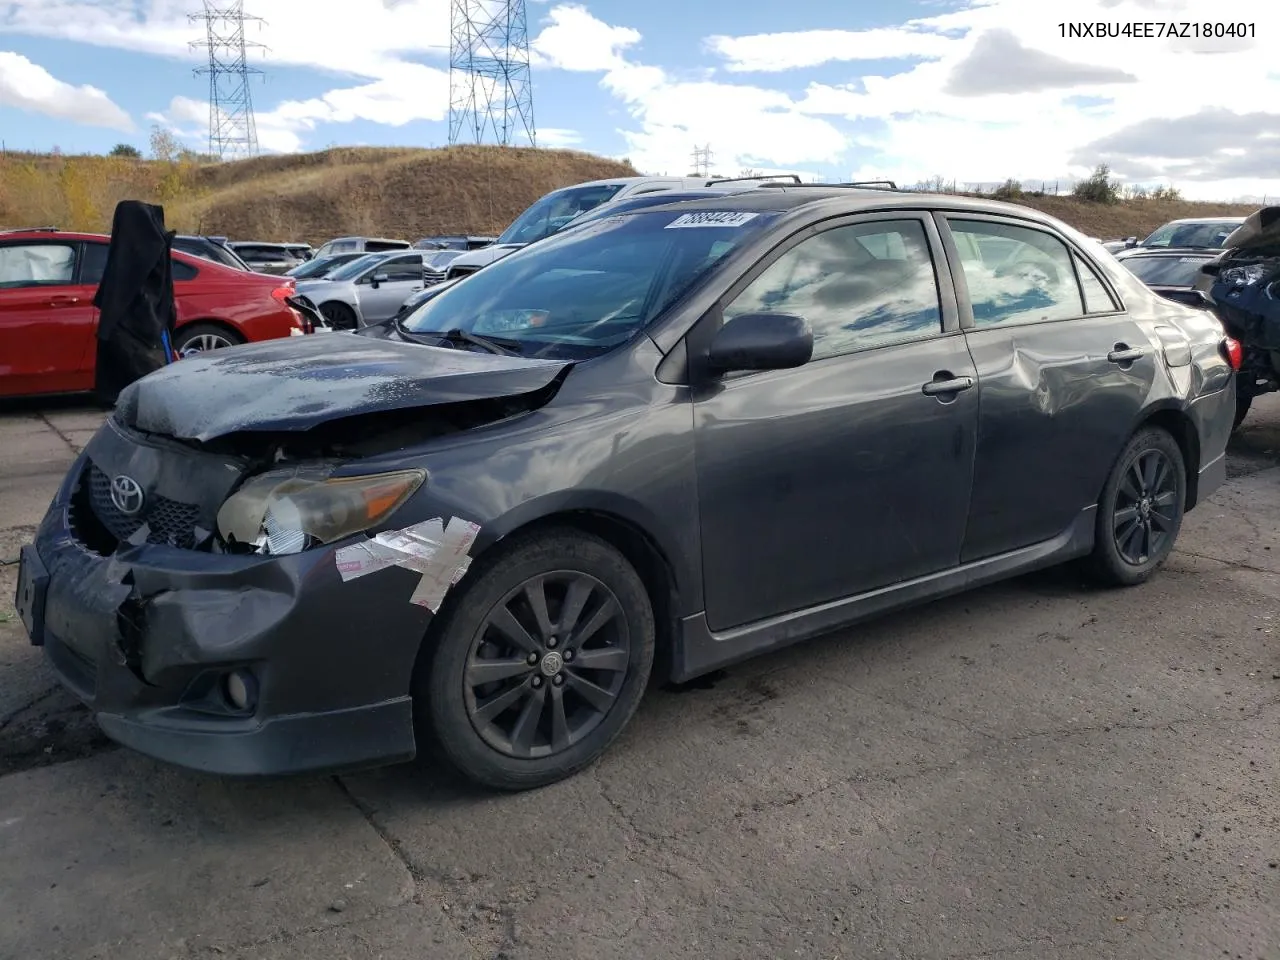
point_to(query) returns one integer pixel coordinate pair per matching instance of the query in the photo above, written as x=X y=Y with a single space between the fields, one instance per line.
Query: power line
x=702 y=161
x=233 y=132
x=490 y=90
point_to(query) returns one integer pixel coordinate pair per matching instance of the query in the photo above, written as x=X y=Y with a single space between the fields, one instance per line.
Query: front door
x=853 y=471
x=1063 y=374
x=47 y=320
x=404 y=278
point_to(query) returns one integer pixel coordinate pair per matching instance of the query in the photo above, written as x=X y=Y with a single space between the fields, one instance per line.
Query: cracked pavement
x=1034 y=770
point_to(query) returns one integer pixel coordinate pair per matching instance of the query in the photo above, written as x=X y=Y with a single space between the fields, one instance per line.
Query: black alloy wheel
x=539 y=662
x=339 y=315
x=547 y=664
x=1143 y=518
x=1141 y=509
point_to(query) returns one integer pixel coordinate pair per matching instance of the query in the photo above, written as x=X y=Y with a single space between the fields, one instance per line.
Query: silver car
x=367 y=290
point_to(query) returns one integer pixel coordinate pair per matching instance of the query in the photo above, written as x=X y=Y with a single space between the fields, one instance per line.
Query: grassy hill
x=406 y=193
x=396 y=192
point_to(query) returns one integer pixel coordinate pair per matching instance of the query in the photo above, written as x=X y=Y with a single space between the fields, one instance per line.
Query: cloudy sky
x=972 y=90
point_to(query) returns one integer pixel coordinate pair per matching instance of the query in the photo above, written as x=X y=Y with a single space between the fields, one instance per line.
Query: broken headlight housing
x=1243 y=276
x=285 y=512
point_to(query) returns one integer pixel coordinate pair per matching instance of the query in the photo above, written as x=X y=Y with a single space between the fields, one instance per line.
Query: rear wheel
x=539 y=662
x=202 y=337
x=339 y=315
x=1140 y=512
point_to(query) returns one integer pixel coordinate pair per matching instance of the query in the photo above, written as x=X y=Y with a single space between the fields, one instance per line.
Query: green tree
x=126 y=150
x=1098 y=187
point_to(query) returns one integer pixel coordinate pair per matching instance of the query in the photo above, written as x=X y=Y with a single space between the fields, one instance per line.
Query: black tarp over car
x=135 y=299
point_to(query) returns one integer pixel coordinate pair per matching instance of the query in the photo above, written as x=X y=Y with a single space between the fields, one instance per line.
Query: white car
x=369 y=289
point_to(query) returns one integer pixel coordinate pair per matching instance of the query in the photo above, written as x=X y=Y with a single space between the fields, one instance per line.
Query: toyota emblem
x=126 y=495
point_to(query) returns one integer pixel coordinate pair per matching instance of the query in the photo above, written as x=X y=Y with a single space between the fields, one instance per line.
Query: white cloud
x=374 y=43
x=748 y=126
x=29 y=86
x=558 y=137
x=995 y=93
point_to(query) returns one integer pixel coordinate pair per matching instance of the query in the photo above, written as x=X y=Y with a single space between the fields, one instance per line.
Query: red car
x=48 y=321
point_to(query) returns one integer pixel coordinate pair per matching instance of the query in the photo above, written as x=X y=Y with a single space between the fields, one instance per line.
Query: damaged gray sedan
x=649 y=447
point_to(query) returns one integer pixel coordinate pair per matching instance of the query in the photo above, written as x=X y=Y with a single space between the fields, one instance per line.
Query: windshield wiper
x=504 y=347
x=430 y=338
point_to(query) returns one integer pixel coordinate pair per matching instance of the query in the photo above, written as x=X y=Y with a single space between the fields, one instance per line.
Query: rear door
x=47 y=319
x=851 y=472
x=1063 y=376
x=394 y=281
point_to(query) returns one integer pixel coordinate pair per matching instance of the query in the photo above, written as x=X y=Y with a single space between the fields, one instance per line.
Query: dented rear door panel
x=1057 y=399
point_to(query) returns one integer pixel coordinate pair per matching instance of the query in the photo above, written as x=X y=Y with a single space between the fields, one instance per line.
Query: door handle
x=63 y=301
x=950 y=385
x=1123 y=353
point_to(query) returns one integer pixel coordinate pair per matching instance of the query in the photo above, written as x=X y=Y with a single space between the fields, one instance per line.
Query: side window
x=1097 y=299
x=403 y=269
x=861 y=286
x=94 y=263
x=1016 y=274
x=37 y=265
x=184 y=271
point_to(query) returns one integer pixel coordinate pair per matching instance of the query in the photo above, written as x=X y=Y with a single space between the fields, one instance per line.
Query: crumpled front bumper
x=147 y=636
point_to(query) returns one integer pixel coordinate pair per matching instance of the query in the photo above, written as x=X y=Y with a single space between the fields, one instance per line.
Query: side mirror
x=1130 y=242
x=379 y=278
x=761 y=341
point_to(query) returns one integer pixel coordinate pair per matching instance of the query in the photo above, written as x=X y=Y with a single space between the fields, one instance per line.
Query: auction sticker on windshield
x=710 y=219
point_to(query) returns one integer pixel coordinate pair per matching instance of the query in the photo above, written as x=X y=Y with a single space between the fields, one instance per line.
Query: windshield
x=1208 y=235
x=318 y=267
x=591 y=288
x=1166 y=271
x=553 y=211
x=352 y=270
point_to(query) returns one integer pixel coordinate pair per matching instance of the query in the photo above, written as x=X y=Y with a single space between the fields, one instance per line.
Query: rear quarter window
x=184 y=271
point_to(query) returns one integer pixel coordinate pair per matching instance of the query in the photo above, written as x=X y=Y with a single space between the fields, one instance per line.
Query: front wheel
x=1141 y=509
x=539 y=662
x=339 y=315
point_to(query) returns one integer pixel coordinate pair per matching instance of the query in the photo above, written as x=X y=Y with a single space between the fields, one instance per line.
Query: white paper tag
x=709 y=218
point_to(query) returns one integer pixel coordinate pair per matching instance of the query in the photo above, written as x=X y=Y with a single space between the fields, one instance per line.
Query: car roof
x=781 y=198
x=1205 y=220
x=1149 y=253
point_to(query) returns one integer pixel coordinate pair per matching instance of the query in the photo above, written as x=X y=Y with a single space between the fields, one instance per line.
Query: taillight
x=1233 y=352
x=281 y=294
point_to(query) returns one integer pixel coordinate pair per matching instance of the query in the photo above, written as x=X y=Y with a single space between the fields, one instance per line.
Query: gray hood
x=297 y=383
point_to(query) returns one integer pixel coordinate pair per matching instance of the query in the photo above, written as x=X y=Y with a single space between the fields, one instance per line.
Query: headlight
x=1243 y=276
x=288 y=511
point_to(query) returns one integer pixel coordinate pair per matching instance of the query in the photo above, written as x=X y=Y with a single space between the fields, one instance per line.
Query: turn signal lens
x=1233 y=352
x=285 y=512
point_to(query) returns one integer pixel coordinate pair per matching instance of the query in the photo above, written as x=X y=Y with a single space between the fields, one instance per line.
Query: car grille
x=431 y=277
x=168 y=521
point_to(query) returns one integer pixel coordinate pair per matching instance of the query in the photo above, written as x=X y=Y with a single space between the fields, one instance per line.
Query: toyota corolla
x=652 y=446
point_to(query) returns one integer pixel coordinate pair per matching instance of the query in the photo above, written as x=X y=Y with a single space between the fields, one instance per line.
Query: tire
x=1242 y=410
x=200 y=337
x=1151 y=469
x=339 y=315
x=450 y=701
